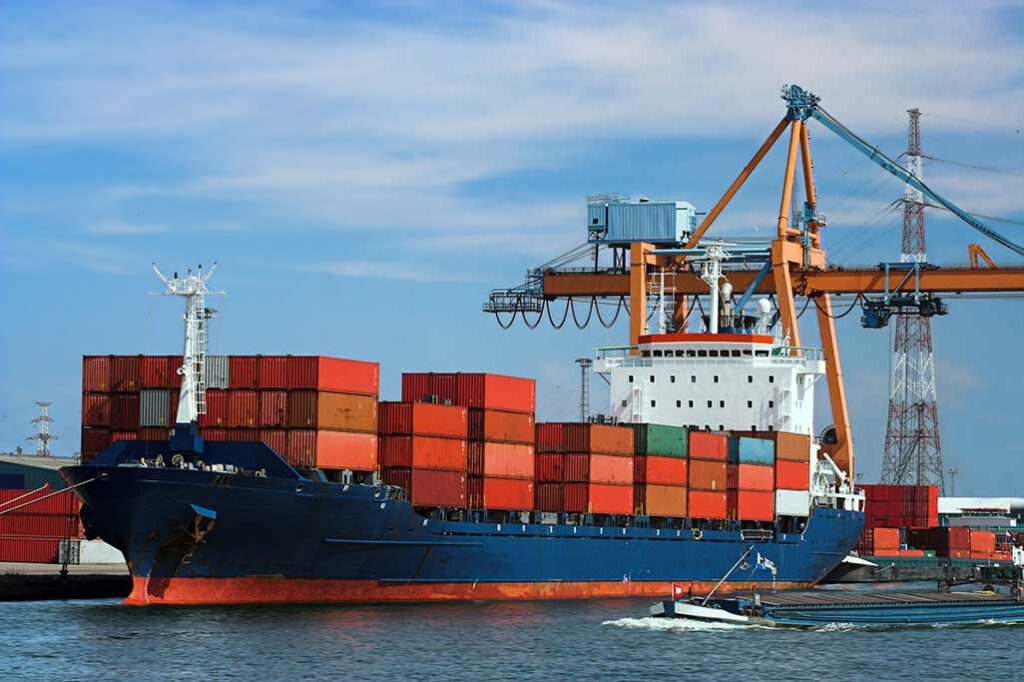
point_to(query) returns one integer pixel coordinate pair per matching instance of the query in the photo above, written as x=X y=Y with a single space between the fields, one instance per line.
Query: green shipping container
x=659 y=439
x=929 y=553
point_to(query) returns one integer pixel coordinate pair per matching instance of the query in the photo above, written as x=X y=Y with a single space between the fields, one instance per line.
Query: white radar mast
x=192 y=287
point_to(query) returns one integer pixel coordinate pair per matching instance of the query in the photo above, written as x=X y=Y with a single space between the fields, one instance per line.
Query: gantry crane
x=794 y=265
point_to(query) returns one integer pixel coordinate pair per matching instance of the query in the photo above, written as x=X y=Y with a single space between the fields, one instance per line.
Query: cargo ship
x=708 y=455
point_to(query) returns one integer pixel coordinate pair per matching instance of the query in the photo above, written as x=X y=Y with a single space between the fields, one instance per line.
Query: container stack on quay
x=660 y=470
x=584 y=468
x=499 y=433
x=33 y=533
x=314 y=411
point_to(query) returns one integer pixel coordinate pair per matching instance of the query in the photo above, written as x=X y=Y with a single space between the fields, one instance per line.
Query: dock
x=27 y=582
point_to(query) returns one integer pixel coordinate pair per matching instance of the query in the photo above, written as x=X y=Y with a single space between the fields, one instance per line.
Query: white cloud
x=123 y=229
x=385 y=270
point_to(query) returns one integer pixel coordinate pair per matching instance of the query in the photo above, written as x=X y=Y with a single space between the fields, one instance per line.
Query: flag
x=766 y=563
x=677 y=591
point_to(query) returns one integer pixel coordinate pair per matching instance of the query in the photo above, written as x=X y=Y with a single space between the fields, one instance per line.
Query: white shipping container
x=216 y=371
x=154 y=407
x=792 y=502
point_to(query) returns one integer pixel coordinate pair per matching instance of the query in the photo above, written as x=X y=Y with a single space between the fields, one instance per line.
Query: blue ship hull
x=193 y=536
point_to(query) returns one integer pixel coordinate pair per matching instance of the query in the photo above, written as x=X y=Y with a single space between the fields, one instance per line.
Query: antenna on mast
x=192 y=287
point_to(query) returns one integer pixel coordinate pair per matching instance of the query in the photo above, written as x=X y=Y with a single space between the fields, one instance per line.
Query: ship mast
x=192 y=287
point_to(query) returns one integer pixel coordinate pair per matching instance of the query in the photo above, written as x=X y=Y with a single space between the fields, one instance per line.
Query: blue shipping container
x=657 y=222
x=746 y=450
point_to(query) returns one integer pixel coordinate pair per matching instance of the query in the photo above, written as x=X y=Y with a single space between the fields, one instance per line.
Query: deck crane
x=793 y=265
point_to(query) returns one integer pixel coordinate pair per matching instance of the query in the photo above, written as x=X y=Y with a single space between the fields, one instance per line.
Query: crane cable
x=856 y=300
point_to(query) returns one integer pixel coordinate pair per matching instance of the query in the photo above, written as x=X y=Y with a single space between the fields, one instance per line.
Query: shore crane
x=793 y=265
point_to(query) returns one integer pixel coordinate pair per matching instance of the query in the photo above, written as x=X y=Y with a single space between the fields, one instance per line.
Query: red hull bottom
x=295 y=590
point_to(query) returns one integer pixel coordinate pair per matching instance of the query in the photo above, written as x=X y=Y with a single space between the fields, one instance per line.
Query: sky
x=364 y=173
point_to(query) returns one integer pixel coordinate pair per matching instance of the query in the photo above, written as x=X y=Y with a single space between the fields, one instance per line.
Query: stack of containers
x=596 y=468
x=32 y=534
x=708 y=476
x=951 y=542
x=423 y=449
x=312 y=410
x=660 y=471
x=901 y=506
x=880 y=542
x=751 y=479
x=501 y=438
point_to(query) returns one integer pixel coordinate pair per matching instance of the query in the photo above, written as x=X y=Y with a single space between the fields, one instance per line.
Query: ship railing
x=623 y=356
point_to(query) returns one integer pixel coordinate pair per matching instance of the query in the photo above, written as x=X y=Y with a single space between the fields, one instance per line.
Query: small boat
x=817 y=608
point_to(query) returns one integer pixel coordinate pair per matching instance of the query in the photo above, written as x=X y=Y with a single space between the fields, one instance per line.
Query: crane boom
x=804 y=105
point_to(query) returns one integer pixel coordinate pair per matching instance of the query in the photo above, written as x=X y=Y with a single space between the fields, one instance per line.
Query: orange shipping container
x=423 y=452
x=611 y=469
x=425 y=419
x=610 y=499
x=333 y=411
x=886 y=538
x=497 y=392
x=665 y=500
x=983 y=541
x=752 y=505
x=508 y=493
x=333 y=374
x=704 y=504
x=708 y=475
x=713 y=446
x=670 y=471
x=791 y=475
x=501 y=427
x=597 y=438
x=753 y=477
x=793 y=447
x=508 y=460
x=346 y=450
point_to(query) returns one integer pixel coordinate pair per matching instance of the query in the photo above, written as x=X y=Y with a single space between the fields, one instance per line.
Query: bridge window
x=691 y=353
x=750 y=378
x=679 y=403
x=712 y=353
x=672 y=379
x=691 y=403
x=645 y=353
x=702 y=354
x=680 y=353
x=654 y=403
x=771 y=378
x=750 y=404
x=735 y=353
x=771 y=428
x=623 y=403
x=721 y=427
x=771 y=403
x=693 y=378
x=721 y=403
x=716 y=378
x=657 y=354
x=710 y=403
x=652 y=378
x=753 y=427
x=630 y=378
x=761 y=353
x=746 y=353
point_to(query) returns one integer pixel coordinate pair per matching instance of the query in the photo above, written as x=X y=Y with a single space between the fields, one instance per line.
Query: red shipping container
x=333 y=411
x=273 y=371
x=792 y=475
x=508 y=493
x=704 y=504
x=576 y=467
x=474 y=492
x=549 y=468
x=401 y=478
x=475 y=460
x=173 y=396
x=640 y=498
x=665 y=500
x=419 y=387
x=423 y=452
x=597 y=438
x=243 y=409
x=243 y=371
x=273 y=409
x=508 y=460
x=125 y=372
x=425 y=419
x=438 y=488
x=708 y=475
x=610 y=499
x=752 y=477
x=275 y=439
x=548 y=497
x=549 y=437
x=123 y=435
x=752 y=505
x=333 y=374
x=96 y=373
x=301 y=450
x=216 y=408
x=94 y=441
x=245 y=435
x=95 y=409
x=497 y=392
x=501 y=427
x=124 y=411
x=156 y=372
x=213 y=434
x=611 y=469
x=160 y=433
x=575 y=497
x=671 y=471
x=29 y=550
x=639 y=471
x=346 y=450
x=713 y=446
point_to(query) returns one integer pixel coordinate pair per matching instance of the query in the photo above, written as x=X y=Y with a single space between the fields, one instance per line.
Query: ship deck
x=832 y=598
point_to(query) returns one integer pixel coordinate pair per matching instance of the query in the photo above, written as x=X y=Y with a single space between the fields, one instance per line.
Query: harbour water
x=602 y=640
